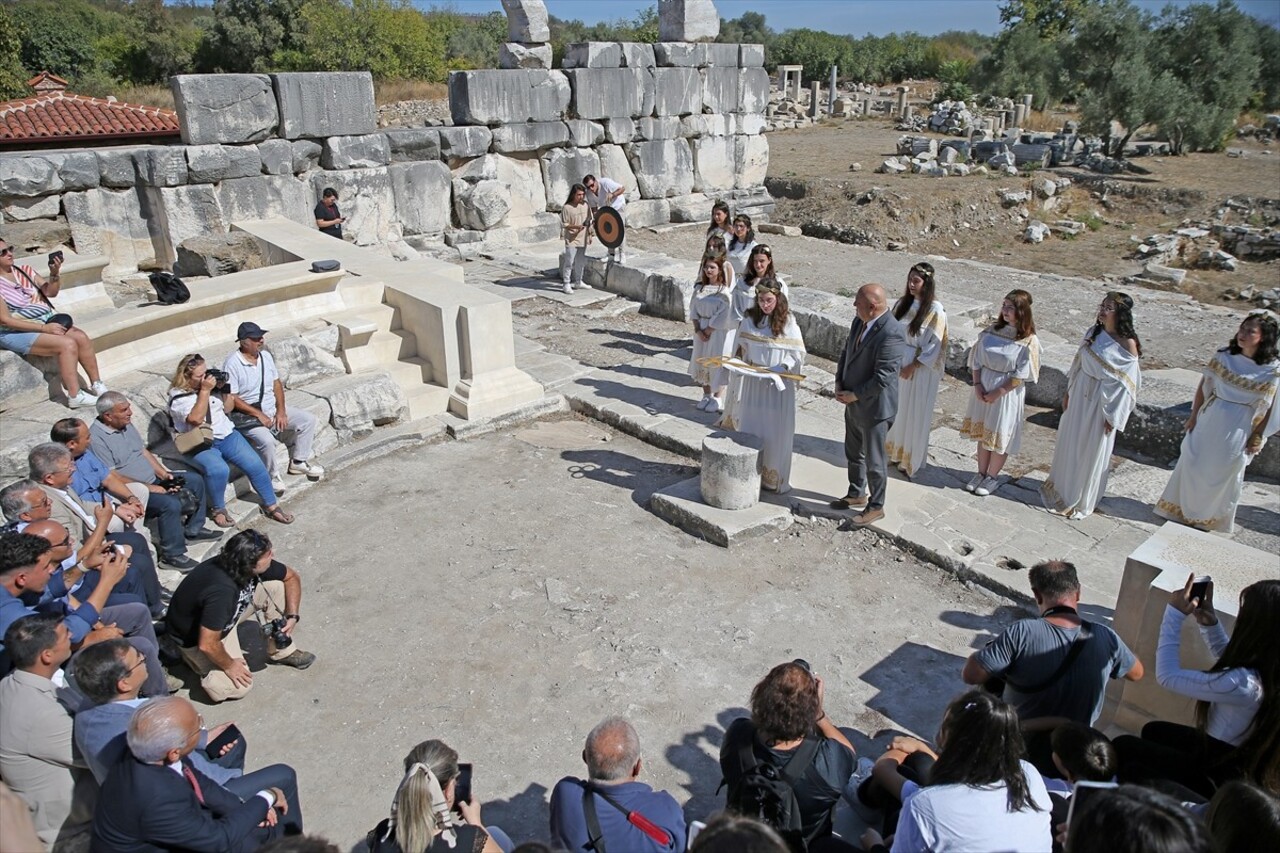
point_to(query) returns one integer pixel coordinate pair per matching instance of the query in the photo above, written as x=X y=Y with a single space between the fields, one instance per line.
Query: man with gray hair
x=611 y=810
x=155 y=798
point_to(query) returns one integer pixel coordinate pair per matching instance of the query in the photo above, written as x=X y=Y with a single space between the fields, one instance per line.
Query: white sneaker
x=311 y=469
x=714 y=406
x=622 y=257
x=81 y=400
x=702 y=404
x=582 y=284
x=973 y=483
x=278 y=485
x=987 y=486
x=567 y=288
x=99 y=388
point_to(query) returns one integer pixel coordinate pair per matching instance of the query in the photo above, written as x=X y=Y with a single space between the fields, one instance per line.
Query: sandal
x=220 y=518
x=276 y=514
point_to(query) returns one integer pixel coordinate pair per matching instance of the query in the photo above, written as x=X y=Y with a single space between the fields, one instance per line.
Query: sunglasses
x=7 y=250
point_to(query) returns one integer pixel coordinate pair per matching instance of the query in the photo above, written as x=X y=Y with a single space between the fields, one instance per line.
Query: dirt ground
x=963 y=218
x=506 y=593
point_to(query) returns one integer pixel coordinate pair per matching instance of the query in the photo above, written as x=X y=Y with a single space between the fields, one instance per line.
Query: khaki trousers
x=269 y=598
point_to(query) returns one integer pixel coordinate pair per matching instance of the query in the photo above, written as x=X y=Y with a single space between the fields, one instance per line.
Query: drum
x=610 y=227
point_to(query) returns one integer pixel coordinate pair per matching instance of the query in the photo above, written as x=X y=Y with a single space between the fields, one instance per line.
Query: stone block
x=355 y=152
x=664 y=127
x=723 y=55
x=750 y=124
x=592 y=54
x=522 y=179
x=317 y=105
x=527 y=20
x=78 y=169
x=276 y=156
x=264 y=196
x=707 y=124
x=751 y=55
x=530 y=136
x=214 y=255
x=619 y=130
x=364 y=197
x=209 y=164
x=116 y=168
x=22 y=378
x=361 y=402
x=27 y=209
x=481 y=205
x=564 y=167
x=720 y=90
x=495 y=97
x=714 y=162
x=677 y=54
x=27 y=177
x=600 y=93
x=460 y=143
x=515 y=55
x=224 y=108
x=730 y=477
x=38 y=235
x=752 y=156
x=695 y=207
x=301 y=361
x=161 y=166
x=584 y=134
x=421 y=194
x=544 y=227
x=306 y=155
x=663 y=168
x=676 y=91
x=753 y=90
x=637 y=55
x=110 y=222
x=614 y=164
x=413 y=143
x=192 y=211
x=647 y=212
x=688 y=20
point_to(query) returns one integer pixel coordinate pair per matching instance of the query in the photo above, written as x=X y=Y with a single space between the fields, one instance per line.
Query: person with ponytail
x=1102 y=390
x=426 y=817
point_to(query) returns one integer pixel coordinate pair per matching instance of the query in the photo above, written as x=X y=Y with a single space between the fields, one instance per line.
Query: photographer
x=197 y=401
x=213 y=599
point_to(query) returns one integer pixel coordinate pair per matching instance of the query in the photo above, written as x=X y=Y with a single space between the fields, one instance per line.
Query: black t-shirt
x=325 y=212
x=208 y=598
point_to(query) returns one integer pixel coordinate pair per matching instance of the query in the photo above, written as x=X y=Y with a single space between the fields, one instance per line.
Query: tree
x=13 y=77
x=388 y=38
x=1110 y=55
x=1051 y=19
x=58 y=35
x=815 y=50
x=250 y=36
x=1023 y=63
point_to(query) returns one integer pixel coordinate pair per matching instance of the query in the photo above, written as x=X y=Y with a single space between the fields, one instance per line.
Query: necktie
x=195 y=785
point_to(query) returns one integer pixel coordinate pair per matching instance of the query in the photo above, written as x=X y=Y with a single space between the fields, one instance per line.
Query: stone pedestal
x=815 y=96
x=902 y=102
x=1151 y=573
x=730 y=470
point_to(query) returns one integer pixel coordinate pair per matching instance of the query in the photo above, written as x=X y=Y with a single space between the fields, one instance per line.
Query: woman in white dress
x=711 y=312
x=923 y=362
x=759 y=271
x=743 y=241
x=1004 y=358
x=1234 y=412
x=717 y=248
x=720 y=221
x=769 y=337
x=1103 y=385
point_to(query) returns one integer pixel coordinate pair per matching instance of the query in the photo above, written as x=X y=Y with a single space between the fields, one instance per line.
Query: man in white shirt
x=259 y=395
x=605 y=192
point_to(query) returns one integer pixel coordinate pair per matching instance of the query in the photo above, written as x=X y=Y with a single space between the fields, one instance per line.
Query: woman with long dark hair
x=924 y=360
x=1233 y=414
x=1237 y=732
x=741 y=244
x=711 y=311
x=975 y=794
x=1005 y=357
x=1102 y=389
x=720 y=221
x=575 y=228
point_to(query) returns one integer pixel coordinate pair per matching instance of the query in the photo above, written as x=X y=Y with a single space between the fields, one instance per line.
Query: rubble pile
x=950 y=117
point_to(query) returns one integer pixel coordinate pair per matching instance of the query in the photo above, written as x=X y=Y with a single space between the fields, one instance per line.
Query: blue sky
x=854 y=17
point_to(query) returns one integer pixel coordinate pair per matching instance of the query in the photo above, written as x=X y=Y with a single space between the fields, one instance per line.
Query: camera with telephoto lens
x=274 y=630
x=222 y=382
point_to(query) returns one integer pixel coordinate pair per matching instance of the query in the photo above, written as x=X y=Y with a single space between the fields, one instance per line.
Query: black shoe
x=181 y=562
x=203 y=534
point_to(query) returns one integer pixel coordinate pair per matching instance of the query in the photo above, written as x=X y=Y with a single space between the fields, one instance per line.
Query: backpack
x=767 y=793
x=170 y=289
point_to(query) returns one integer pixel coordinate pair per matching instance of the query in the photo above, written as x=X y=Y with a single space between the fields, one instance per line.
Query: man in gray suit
x=867 y=384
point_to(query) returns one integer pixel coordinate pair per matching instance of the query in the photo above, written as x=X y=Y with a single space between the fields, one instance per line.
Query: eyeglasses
x=256 y=340
x=1107 y=307
x=199 y=724
x=141 y=662
x=7 y=250
x=64 y=543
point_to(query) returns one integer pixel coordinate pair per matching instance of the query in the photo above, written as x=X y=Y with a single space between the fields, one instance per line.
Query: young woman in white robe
x=923 y=362
x=769 y=337
x=741 y=244
x=1102 y=389
x=721 y=225
x=711 y=311
x=759 y=270
x=1233 y=414
x=1005 y=357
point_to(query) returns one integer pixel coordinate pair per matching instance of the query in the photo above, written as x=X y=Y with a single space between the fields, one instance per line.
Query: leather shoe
x=181 y=562
x=204 y=533
x=869 y=516
x=848 y=502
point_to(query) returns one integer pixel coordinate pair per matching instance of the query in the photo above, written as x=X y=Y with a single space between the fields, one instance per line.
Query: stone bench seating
x=81 y=280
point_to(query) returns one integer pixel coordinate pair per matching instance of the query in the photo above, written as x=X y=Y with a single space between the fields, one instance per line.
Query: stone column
x=831 y=94
x=866 y=107
x=815 y=95
x=730 y=476
x=795 y=83
x=902 y=102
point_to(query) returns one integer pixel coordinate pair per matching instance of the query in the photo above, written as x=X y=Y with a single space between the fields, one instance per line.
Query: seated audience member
x=586 y=813
x=1054 y=668
x=37 y=758
x=117 y=442
x=52 y=468
x=27 y=563
x=1133 y=819
x=427 y=816
x=1242 y=816
x=1237 y=731
x=92 y=481
x=729 y=833
x=977 y=795
x=243 y=580
x=154 y=798
x=1081 y=754
x=110 y=674
x=300 y=844
x=791 y=735
x=259 y=396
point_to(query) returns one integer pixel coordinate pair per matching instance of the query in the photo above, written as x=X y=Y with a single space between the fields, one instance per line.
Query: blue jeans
x=234 y=450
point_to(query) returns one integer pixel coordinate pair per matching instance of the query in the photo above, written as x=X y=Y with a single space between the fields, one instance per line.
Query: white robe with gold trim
x=907 y=443
x=996 y=356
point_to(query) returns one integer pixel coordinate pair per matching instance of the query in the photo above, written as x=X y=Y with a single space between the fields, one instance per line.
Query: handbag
x=197 y=438
x=243 y=420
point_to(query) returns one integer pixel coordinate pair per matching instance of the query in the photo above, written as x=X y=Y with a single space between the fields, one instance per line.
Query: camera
x=274 y=631
x=222 y=382
x=177 y=481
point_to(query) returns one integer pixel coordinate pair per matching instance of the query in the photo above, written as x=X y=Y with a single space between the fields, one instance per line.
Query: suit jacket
x=870 y=371
x=100 y=735
x=149 y=808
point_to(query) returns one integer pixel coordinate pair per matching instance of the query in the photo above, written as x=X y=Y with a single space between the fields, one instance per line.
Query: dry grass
x=1043 y=121
x=390 y=91
x=151 y=96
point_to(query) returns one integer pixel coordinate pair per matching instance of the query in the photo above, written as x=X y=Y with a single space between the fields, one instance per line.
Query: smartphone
x=214 y=748
x=462 y=784
x=1080 y=797
x=803 y=664
x=55 y=256
x=1200 y=588
x=118 y=548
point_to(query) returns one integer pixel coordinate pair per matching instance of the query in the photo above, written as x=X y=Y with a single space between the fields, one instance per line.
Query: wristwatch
x=294 y=616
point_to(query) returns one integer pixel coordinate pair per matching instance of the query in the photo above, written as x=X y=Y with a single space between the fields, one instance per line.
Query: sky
x=851 y=17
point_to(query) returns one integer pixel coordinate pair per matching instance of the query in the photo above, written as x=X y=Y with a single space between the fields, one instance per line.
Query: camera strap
x=595 y=840
x=1077 y=646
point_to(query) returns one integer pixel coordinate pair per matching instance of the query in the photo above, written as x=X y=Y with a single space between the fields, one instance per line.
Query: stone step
x=427 y=401
x=409 y=372
x=381 y=350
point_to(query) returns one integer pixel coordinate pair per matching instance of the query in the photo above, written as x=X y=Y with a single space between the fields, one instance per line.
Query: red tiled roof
x=61 y=117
